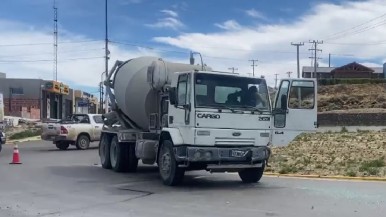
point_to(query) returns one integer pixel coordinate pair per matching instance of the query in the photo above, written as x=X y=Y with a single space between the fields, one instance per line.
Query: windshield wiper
x=223 y=106
x=253 y=108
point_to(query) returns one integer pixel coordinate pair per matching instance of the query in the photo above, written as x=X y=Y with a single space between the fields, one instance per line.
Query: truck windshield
x=227 y=91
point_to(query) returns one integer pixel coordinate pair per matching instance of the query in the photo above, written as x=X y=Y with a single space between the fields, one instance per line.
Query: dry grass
x=350 y=154
x=351 y=96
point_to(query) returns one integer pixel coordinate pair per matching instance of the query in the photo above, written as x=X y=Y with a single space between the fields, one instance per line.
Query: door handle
x=277 y=132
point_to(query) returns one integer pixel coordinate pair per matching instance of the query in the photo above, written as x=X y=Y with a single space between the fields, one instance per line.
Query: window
x=182 y=89
x=281 y=100
x=302 y=95
x=221 y=93
x=17 y=90
x=224 y=90
x=98 y=119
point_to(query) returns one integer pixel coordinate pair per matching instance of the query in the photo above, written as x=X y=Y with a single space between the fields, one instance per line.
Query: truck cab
x=224 y=122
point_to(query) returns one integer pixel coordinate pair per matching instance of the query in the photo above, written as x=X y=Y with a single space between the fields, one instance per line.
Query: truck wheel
x=251 y=175
x=118 y=155
x=62 y=145
x=104 y=151
x=170 y=173
x=132 y=161
x=83 y=142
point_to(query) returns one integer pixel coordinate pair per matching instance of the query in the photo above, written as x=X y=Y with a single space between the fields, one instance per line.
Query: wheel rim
x=113 y=154
x=83 y=143
x=166 y=161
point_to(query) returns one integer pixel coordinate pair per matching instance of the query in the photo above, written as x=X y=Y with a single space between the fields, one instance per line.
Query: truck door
x=294 y=110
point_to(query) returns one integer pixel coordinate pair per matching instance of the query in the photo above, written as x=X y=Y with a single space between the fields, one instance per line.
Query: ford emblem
x=236 y=134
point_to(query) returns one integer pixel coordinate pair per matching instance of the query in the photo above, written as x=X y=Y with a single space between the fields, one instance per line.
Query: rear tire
x=62 y=145
x=169 y=171
x=118 y=155
x=83 y=142
x=252 y=175
x=104 y=151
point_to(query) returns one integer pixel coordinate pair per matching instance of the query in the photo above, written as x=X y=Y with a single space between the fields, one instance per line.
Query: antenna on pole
x=55 y=73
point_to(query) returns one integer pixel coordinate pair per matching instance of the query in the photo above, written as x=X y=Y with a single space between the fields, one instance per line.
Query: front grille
x=234 y=141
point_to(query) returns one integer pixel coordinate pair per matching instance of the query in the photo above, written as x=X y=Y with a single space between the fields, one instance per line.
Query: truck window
x=182 y=89
x=98 y=119
x=302 y=95
x=282 y=94
x=214 y=90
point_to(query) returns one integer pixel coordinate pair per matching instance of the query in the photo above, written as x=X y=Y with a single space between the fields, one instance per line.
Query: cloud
x=229 y=25
x=255 y=14
x=168 y=22
x=80 y=59
x=170 y=13
x=271 y=43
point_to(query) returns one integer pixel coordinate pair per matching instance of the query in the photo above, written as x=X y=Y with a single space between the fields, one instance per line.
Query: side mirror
x=283 y=99
x=173 y=96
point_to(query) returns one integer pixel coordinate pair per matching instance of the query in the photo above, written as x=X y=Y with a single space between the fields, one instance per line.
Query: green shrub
x=351 y=173
x=285 y=169
x=25 y=134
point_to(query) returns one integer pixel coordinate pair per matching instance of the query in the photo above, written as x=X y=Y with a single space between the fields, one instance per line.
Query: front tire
x=83 y=142
x=252 y=175
x=104 y=151
x=62 y=145
x=169 y=171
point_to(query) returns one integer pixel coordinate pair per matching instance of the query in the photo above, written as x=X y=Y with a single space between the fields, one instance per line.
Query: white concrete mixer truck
x=187 y=117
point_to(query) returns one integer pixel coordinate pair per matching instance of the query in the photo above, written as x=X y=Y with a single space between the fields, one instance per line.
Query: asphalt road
x=71 y=183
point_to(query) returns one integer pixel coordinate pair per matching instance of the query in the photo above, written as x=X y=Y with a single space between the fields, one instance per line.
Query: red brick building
x=351 y=70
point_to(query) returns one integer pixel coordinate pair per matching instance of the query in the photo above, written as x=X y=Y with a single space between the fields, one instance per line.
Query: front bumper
x=222 y=155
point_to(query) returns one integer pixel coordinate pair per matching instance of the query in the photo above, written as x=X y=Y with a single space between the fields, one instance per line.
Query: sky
x=228 y=33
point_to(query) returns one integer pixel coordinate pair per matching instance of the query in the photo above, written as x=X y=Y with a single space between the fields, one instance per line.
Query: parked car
x=78 y=130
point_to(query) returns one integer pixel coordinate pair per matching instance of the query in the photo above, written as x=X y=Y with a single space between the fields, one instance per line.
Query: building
x=3 y=75
x=36 y=98
x=351 y=70
x=85 y=103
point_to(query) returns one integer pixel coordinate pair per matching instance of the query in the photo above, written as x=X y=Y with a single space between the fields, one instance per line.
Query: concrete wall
x=352 y=119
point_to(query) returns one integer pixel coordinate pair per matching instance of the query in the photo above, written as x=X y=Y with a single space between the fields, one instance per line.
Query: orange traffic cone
x=16 y=157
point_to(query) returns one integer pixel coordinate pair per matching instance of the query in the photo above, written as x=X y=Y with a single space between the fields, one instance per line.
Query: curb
x=35 y=138
x=379 y=179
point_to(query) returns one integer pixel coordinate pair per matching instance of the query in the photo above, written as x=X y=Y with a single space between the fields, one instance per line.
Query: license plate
x=238 y=153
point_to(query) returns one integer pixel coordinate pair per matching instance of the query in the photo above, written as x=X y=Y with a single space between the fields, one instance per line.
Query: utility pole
x=315 y=49
x=276 y=81
x=329 y=60
x=233 y=69
x=297 y=54
x=107 y=52
x=289 y=74
x=55 y=76
x=253 y=66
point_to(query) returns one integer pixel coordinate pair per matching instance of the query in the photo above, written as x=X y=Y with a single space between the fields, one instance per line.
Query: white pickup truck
x=78 y=130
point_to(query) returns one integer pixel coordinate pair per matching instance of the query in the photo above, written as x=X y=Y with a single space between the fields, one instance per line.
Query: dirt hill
x=359 y=97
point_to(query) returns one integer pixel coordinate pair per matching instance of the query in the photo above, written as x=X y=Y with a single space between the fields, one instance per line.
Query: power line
x=47 y=43
x=315 y=49
x=55 y=71
x=51 y=53
x=354 y=27
x=233 y=69
x=253 y=66
x=297 y=54
x=46 y=60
